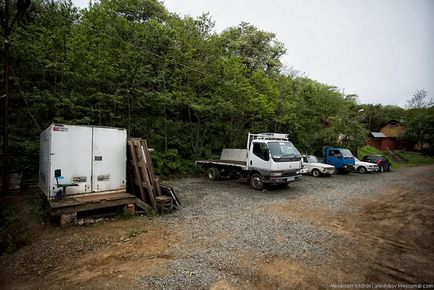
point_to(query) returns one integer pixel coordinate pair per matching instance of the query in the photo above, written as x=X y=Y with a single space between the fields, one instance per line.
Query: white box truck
x=91 y=158
x=268 y=158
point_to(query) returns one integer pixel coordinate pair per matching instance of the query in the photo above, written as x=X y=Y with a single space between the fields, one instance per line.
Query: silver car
x=314 y=167
x=363 y=167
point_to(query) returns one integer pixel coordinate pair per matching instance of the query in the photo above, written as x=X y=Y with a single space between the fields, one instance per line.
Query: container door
x=109 y=159
x=71 y=152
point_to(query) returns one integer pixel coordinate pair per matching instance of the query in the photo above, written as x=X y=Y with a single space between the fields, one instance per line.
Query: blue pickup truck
x=341 y=158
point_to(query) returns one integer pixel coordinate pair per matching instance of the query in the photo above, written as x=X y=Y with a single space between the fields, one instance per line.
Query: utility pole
x=5 y=169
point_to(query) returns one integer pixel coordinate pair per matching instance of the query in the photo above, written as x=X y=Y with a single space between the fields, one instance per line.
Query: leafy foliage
x=174 y=81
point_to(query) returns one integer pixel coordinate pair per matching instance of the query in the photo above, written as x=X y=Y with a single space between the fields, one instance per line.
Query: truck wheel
x=389 y=168
x=361 y=170
x=213 y=174
x=316 y=173
x=256 y=181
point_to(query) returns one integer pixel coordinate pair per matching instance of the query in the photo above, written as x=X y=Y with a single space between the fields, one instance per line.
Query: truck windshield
x=283 y=150
x=312 y=159
x=346 y=153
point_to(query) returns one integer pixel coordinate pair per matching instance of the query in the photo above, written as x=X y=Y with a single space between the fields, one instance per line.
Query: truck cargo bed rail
x=234 y=163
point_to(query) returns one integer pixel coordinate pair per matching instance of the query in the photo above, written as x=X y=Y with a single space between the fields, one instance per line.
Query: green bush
x=171 y=163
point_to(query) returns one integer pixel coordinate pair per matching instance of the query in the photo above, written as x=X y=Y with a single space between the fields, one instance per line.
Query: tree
x=258 y=50
x=420 y=100
x=172 y=80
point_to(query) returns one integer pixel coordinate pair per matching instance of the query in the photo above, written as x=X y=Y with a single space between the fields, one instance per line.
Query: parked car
x=314 y=167
x=341 y=158
x=363 y=167
x=380 y=160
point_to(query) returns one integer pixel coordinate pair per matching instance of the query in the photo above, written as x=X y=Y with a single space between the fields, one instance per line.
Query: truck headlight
x=275 y=174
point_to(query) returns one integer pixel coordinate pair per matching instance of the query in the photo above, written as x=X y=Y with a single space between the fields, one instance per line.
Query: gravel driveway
x=229 y=225
x=345 y=229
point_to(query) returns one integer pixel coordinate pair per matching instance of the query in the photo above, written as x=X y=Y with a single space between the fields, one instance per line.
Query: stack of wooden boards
x=143 y=182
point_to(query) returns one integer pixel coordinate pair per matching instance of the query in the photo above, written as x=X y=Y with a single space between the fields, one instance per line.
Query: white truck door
x=71 y=152
x=259 y=157
x=109 y=159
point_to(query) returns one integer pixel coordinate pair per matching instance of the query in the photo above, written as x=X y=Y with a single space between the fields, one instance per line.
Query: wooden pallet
x=145 y=184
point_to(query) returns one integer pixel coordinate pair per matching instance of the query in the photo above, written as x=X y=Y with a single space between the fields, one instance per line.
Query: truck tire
x=213 y=174
x=256 y=182
x=316 y=173
x=361 y=170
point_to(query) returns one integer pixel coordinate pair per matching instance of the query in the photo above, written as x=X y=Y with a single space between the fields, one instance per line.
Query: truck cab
x=341 y=158
x=272 y=158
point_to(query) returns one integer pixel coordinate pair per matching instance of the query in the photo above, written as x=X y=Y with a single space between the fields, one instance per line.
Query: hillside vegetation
x=171 y=80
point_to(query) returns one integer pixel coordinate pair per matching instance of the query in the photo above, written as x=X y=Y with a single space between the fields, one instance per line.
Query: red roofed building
x=389 y=137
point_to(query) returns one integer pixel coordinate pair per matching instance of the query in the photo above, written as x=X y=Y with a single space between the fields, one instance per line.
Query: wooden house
x=389 y=137
x=393 y=128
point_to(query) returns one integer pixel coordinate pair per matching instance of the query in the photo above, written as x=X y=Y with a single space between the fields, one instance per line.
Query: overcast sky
x=381 y=50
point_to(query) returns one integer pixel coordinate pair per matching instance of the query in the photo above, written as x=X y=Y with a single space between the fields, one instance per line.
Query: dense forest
x=174 y=81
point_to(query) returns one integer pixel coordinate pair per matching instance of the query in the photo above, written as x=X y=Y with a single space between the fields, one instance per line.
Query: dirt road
x=365 y=230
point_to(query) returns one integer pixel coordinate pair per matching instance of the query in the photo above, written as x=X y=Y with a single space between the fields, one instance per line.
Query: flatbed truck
x=269 y=158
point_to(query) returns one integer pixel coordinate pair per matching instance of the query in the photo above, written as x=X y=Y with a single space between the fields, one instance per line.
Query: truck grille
x=289 y=173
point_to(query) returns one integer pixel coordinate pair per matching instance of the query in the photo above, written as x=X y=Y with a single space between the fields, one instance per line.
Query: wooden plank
x=144 y=170
x=149 y=160
x=157 y=186
x=88 y=198
x=146 y=207
x=136 y=171
x=148 y=176
x=92 y=205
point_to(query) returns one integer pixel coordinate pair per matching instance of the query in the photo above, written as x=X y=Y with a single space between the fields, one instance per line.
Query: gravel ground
x=226 y=221
x=318 y=231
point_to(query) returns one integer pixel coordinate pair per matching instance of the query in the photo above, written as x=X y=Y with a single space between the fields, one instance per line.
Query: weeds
x=12 y=236
x=152 y=214
x=135 y=232
x=38 y=208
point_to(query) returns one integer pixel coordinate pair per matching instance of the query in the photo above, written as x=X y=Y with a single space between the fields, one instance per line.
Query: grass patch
x=135 y=232
x=414 y=158
x=409 y=158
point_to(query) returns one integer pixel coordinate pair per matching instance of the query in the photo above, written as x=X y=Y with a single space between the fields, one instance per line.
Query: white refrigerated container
x=92 y=157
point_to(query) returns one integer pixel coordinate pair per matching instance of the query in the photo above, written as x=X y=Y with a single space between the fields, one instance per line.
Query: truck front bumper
x=279 y=180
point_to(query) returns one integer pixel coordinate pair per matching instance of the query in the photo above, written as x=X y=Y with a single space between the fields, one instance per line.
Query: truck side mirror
x=57 y=173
